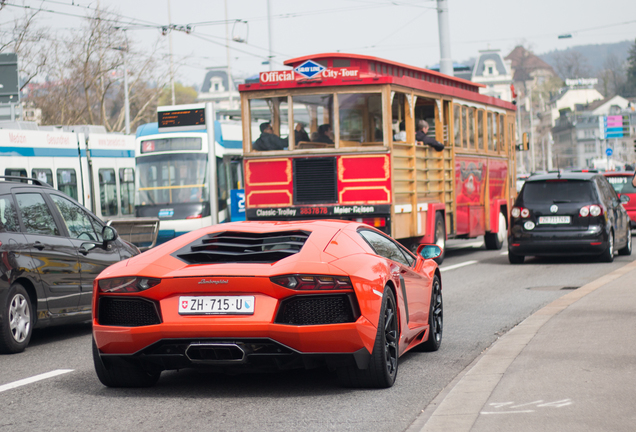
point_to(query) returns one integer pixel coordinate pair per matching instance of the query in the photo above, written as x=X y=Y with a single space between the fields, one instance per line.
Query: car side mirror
x=109 y=234
x=625 y=199
x=429 y=251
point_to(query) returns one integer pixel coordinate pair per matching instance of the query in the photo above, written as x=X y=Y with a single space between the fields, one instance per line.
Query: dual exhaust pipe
x=215 y=353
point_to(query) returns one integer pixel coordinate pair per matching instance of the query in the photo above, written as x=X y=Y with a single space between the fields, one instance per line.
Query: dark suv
x=568 y=214
x=51 y=250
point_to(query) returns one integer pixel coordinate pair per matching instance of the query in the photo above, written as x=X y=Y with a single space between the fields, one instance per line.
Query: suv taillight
x=313 y=282
x=591 y=210
x=520 y=211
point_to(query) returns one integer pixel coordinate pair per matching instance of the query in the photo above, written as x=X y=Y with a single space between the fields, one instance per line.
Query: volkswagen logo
x=554 y=208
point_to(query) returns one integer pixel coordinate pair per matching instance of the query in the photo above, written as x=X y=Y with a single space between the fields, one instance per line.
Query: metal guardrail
x=142 y=232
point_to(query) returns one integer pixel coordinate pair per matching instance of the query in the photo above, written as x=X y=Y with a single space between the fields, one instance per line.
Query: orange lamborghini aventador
x=268 y=295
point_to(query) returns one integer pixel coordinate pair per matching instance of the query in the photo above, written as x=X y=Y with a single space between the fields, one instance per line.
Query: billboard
x=9 y=83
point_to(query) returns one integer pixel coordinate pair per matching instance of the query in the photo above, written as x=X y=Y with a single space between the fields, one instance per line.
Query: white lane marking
x=376 y=292
x=453 y=267
x=508 y=412
x=33 y=379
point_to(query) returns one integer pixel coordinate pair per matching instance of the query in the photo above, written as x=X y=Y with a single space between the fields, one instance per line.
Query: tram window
x=16 y=172
x=495 y=131
x=464 y=128
x=480 y=129
x=471 y=128
x=107 y=192
x=457 y=123
x=223 y=190
x=398 y=117
x=502 y=144
x=360 y=118
x=273 y=111
x=45 y=175
x=67 y=182
x=337 y=63
x=489 y=130
x=127 y=190
x=314 y=111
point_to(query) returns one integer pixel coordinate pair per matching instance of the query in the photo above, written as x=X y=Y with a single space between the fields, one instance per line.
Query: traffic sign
x=9 y=82
x=609 y=151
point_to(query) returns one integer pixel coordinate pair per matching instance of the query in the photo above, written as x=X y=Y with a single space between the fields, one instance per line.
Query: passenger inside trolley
x=421 y=136
x=325 y=134
x=268 y=140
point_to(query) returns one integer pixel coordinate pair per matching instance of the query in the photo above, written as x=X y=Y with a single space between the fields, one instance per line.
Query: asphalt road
x=484 y=296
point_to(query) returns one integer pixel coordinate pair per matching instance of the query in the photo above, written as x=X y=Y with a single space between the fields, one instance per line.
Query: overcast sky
x=400 y=30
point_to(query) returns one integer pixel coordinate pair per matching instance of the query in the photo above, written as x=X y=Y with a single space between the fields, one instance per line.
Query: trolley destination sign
x=275 y=77
x=306 y=211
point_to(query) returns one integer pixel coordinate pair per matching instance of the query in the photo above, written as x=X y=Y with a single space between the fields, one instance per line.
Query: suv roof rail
x=28 y=179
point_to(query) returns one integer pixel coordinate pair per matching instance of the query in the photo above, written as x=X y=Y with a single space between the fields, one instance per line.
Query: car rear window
x=621 y=184
x=558 y=191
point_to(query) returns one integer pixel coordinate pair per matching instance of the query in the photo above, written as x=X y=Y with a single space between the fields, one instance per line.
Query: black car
x=51 y=250
x=568 y=213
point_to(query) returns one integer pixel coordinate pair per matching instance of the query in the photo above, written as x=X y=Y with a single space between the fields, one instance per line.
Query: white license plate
x=554 y=220
x=216 y=305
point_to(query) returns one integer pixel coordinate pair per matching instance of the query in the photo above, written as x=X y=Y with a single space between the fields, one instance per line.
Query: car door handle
x=38 y=245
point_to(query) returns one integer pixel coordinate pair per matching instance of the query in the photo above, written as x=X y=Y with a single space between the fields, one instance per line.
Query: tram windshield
x=172 y=178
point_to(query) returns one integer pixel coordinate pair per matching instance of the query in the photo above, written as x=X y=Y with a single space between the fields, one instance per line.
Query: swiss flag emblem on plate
x=184 y=304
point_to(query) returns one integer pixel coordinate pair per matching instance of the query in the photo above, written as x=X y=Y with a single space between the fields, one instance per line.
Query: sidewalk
x=570 y=366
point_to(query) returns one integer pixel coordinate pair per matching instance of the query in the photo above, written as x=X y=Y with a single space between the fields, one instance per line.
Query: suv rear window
x=558 y=191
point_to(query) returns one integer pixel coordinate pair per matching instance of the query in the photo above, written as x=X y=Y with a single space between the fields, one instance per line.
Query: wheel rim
x=611 y=245
x=390 y=337
x=501 y=234
x=629 y=241
x=437 y=312
x=439 y=236
x=19 y=318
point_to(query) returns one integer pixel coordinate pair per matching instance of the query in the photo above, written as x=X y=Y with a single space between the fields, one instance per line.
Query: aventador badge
x=554 y=208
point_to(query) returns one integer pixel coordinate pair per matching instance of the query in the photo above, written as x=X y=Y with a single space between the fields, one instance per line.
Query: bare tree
x=572 y=64
x=82 y=82
x=612 y=80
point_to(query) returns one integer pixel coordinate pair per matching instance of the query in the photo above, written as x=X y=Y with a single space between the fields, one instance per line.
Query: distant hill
x=593 y=57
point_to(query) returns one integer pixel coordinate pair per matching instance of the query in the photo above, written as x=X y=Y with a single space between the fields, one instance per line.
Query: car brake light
x=525 y=213
x=127 y=284
x=585 y=211
x=313 y=282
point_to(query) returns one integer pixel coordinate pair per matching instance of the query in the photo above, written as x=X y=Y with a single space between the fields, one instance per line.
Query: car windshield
x=621 y=184
x=542 y=192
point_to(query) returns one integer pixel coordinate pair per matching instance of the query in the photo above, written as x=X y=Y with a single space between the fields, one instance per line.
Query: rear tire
x=16 y=324
x=440 y=236
x=124 y=374
x=515 y=259
x=627 y=250
x=383 y=364
x=494 y=241
x=608 y=255
x=435 y=319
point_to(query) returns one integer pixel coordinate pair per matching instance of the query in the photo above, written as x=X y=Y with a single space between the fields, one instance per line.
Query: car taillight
x=525 y=213
x=313 y=282
x=374 y=222
x=196 y=216
x=127 y=284
x=596 y=210
x=592 y=210
x=516 y=212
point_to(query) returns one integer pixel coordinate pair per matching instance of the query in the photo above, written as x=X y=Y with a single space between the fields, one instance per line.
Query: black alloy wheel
x=627 y=250
x=435 y=318
x=16 y=324
x=608 y=254
x=383 y=364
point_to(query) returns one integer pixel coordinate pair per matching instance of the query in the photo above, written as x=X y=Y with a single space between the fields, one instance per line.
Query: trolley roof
x=340 y=69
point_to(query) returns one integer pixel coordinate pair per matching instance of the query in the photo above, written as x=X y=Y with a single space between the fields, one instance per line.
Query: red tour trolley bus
x=342 y=146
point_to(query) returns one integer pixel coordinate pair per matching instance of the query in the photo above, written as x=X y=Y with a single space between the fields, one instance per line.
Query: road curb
x=457 y=407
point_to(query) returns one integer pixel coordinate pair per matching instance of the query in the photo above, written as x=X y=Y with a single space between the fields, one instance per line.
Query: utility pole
x=269 y=33
x=171 y=60
x=126 y=100
x=445 y=62
x=230 y=81
x=534 y=167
